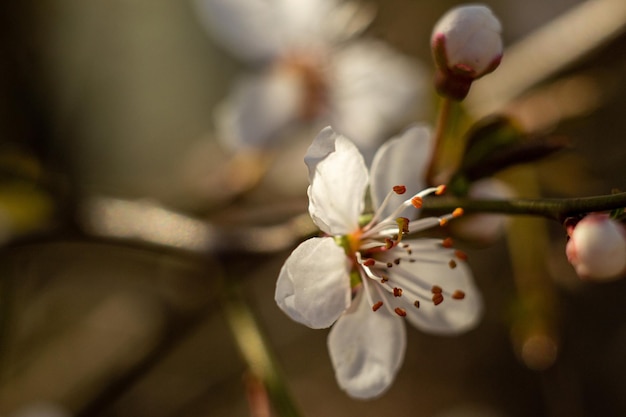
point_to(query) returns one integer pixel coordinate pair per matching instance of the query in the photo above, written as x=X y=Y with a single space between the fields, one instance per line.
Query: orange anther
x=376 y=306
x=447 y=242
x=397 y=292
x=437 y=298
x=369 y=262
x=458 y=212
x=400 y=311
x=436 y=289
x=458 y=295
x=417 y=303
x=399 y=189
x=452 y=264
x=417 y=202
x=461 y=255
x=440 y=190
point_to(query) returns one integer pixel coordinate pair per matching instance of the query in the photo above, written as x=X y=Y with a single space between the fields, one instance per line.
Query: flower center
x=379 y=255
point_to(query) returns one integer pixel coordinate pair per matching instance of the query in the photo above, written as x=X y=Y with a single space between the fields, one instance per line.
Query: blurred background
x=139 y=256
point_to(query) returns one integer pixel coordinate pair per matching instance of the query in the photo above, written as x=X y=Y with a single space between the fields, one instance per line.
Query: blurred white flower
x=467 y=44
x=310 y=69
x=363 y=275
x=597 y=247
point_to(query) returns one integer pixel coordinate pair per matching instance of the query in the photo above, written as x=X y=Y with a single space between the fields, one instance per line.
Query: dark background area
x=108 y=101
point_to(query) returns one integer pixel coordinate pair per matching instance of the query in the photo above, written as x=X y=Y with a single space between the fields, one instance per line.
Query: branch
x=555 y=208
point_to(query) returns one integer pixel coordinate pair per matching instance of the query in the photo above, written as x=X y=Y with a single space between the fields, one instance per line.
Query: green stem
x=256 y=352
x=439 y=135
x=555 y=209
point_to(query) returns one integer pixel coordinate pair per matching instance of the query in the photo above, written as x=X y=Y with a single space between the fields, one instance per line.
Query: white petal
x=431 y=267
x=313 y=286
x=259 y=110
x=374 y=91
x=250 y=29
x=366 y=348
x=322 y=146
x=402 y=161
x=338 y=179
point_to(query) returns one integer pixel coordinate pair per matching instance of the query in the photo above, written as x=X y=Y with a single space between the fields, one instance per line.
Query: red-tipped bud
x=466 y=44
x=597 y=248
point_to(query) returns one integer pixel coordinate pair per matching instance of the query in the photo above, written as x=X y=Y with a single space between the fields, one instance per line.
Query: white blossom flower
x=466 y=44
x=597 y=247
x=363 y=276
x=311 y=69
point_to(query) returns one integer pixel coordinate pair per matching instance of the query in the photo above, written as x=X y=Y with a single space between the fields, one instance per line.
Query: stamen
x=382 y=206
x=461 y=255
x=441 y=189
x=437 y=298
x=458 y=295
x=373 y=246
x=447 y=242
x=365 y=283
x=397 y=292
x=452 y=264
x=423 y=224
x=443 y=220
x=400 y=312
x=417 y=202
x=369 y=262
x=374 y=227
x=399 y=189
x=403 y=226
x=436 y=289
x=417 y=303
x=376 y=306
x=383 y=281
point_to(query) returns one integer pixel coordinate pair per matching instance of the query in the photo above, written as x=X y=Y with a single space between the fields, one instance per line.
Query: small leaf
x=496 y=143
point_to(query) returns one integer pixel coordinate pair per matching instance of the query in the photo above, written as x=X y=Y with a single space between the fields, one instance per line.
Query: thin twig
x=555 y=209
x=257 y=353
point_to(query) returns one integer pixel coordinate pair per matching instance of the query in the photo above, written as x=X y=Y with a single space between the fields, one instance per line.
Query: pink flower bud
x=597 y=248
x=466 y=45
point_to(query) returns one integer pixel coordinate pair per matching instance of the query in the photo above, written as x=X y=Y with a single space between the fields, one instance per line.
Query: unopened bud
x=466 y=44
x=597 y=247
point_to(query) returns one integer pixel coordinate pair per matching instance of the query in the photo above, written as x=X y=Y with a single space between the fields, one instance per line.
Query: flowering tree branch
x=551 y=208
